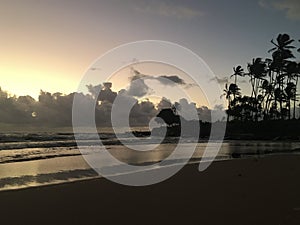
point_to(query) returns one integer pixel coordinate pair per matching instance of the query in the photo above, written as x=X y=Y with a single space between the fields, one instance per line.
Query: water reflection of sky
x=60 y=169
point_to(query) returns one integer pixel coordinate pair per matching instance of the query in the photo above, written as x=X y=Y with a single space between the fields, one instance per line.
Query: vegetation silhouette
x=269 y=112
x=169 y=116
x=273 y=83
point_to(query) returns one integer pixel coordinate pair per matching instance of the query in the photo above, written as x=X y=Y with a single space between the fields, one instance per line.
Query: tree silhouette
x=169 y=117
x=231 y=90
x=238 y=71
x=273 y=81
x=282 y=47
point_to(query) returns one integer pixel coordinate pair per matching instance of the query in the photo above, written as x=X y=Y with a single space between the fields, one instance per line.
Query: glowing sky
x=49 y=44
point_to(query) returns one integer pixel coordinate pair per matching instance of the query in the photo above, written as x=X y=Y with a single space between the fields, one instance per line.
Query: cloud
x=103 y=92
x=290 y=7
x=142 y=113
x=211 y=115
x=219 y=107
x=163 y=79
x=164 y=103
x=263 y=3
x=225 y=80
x=106 y=94
x=139 y=88
x=204 y=114
x=55 y=109
x=94 y=90
x=168 y=9
x=170 y=80
x=220 y=81
x=187 y=110
x=136 y=75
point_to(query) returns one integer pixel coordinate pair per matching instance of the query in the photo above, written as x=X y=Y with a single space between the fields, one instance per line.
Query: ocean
x=43 y=158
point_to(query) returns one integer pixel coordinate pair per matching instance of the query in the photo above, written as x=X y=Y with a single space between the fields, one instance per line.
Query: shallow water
x=40 y=159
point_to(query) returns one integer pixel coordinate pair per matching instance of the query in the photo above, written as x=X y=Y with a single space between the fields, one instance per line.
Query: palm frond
x=272 y=49
x=290 y=47
x=289 y=41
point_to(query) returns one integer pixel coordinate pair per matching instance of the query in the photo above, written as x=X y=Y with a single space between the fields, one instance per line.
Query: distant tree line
x=274 y=85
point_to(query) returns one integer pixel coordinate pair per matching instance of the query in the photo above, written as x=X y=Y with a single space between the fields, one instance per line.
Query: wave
x=45 y=136
x=25 y=181
x=9 y=183
x=50 y=140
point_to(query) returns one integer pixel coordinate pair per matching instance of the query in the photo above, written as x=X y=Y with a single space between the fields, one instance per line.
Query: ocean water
x=33 y=159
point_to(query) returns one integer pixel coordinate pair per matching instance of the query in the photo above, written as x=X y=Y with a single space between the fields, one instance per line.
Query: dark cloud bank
x=55 y=109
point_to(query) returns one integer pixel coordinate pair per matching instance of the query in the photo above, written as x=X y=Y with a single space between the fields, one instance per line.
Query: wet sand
x=243 y=191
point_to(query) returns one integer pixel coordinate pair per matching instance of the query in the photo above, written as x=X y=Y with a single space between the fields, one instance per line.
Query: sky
x=50 y=45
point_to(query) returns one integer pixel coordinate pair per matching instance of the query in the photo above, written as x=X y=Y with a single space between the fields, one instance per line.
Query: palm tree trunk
x=267 y=105
x=289 y=100
x=294 y=110
x=252 y=84
x=280 y=97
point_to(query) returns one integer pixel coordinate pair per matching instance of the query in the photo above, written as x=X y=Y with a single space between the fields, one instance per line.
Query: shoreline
x=90 y=174
x=82 y=179
x=32 y=179
x=263 y=190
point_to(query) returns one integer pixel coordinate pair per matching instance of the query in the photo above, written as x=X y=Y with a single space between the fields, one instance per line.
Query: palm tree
x=291 y=72
x=282 y=47
x=257 y=71
x=296 y=83
x=227 y=94
x=234 y=90
x=281 y=53
x=290 y=91
x=238 y=71
x=274 y=84
x=267 y=89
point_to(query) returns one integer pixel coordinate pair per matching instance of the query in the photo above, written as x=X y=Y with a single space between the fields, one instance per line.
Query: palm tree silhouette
x=291 y=72
x=267 y=91
x=238 y=71
x=281 y=53
x=257 y=71
x=274 y=83
x=282 y=47
x=290 y=91
x=234 y=90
